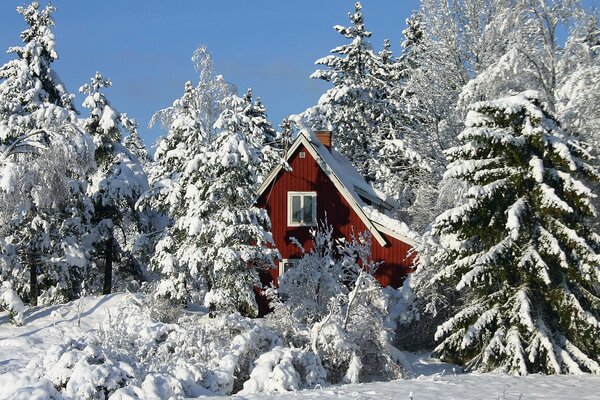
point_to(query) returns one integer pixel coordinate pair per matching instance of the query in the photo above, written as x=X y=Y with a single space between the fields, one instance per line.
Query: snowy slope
x=431 y=380
x=45 y=326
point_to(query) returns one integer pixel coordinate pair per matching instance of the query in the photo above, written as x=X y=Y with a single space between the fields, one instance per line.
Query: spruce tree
x=350 y=105
x=134 y=143
x=362 y=110
x=186 y=139
x=520 y=251
x=115 y=186
x=260 y=132
x=219 y=238
x=190 y=133
x=183 y=138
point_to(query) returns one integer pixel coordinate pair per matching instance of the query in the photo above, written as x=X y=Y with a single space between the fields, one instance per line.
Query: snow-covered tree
x=446 y=44
x=44 y=158
x=334 y=305
x=520 y=251
x=261 y=134
x=134 y=143
x=232 y=232
x=578 y=90
x=361 y=110
x=219 y=239
x=115 y=186
x=183 y=139
x=189 y=124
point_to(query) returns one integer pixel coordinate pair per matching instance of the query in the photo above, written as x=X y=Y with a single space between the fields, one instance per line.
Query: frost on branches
x=362 y=111
x=330 y=303
x=520 y=250
x=115 y=187
x=44 y=158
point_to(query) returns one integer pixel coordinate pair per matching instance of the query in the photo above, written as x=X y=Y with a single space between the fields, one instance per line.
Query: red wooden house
x=322 y=183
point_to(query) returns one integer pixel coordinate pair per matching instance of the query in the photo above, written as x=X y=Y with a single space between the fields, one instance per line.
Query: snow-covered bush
x=331 y=304
x=11 y=302
x=133 y=355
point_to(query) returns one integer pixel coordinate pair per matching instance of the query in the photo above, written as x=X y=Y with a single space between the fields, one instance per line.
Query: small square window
x=286 y=264
x=302 y=154
x=302 y=208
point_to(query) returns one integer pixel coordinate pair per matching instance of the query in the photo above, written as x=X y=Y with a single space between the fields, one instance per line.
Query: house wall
x=307 y=175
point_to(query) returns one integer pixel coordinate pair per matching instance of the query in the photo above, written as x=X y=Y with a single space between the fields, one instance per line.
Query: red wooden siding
x=306 y=175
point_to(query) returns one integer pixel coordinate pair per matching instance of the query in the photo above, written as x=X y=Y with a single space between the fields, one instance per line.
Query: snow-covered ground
x=431 y=379
x=45 y=326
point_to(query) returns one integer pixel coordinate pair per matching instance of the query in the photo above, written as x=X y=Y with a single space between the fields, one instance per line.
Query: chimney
x=325 y=138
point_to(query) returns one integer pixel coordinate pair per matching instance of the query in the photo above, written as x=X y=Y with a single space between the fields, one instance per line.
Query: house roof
x=353 y=187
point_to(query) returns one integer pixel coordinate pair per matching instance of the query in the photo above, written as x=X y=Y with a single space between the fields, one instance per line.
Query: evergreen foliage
x=362 y=111
x=232 y=233
x=133 y=142
x=189 y=125
x=115 y=187
x=44 y=159
x=519 y=250
x=219 y=238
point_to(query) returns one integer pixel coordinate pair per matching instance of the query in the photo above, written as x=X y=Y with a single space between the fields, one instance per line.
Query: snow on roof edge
x=350 y=179
x=328 y=158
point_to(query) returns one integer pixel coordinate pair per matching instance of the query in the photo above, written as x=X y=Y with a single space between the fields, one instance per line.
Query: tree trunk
x=108 y=265
x=33 y=281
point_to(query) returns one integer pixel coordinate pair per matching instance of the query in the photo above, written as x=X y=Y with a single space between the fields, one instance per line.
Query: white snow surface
x=431 y=379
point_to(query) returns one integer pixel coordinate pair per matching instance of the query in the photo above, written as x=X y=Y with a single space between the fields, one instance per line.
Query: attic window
x=302 y=208
x=302 y=154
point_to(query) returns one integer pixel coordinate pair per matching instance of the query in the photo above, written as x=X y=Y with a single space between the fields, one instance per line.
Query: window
x=302 y=208
x=286 y=264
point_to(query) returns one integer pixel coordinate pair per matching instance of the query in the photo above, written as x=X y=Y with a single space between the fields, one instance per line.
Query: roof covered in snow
x=366 y=201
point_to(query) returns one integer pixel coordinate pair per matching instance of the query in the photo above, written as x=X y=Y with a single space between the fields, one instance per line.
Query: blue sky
x=145 y=47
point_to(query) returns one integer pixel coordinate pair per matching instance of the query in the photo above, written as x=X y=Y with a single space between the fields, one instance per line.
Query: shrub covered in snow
x=132 y=355
x=11 y=302
x=331 y=304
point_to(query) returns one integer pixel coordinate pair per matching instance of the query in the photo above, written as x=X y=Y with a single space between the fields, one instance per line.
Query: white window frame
x=290 y=211
x=283 y=262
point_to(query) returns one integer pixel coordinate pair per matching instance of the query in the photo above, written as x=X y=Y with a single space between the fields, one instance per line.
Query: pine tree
x=183 y=138
x=343 y=105
x=260 y=131
x=189 y=124
x=45 y=158
x=117 y=183
x=520 y=251
x=133 y=141
x=219 y=239
x=186 y=140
